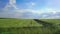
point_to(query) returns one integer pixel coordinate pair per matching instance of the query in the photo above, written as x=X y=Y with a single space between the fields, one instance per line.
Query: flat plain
x=27 y=26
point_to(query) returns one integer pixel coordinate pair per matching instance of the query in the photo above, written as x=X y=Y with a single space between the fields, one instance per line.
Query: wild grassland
x=27 y=26
x=52 y=20
x=11 y=22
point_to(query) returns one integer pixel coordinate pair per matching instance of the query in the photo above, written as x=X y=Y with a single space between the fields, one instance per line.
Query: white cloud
x=33 y=11
x=51 y=10
x=12 y=3
x=20 y=12
x=54 y=17
x=29 y=10
x=17 y=13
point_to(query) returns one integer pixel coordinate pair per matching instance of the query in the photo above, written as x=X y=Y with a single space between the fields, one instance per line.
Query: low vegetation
x=28 y=26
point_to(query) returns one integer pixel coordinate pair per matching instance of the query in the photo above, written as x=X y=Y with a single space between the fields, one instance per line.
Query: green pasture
x=27 y=26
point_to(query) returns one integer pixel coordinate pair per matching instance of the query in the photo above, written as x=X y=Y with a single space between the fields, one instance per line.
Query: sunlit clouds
x=30 y=9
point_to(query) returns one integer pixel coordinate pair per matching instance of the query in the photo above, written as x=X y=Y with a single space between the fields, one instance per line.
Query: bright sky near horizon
x=29 y=8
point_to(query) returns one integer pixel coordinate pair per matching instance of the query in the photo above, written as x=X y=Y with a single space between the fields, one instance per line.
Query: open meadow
x=28 y=26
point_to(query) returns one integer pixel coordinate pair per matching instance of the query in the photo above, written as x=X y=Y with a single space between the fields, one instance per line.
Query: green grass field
x=26 y=26
x=51 y=20
x=11 y=22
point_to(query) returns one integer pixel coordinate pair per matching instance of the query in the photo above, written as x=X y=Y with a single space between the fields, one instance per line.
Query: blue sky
x=30 y=8
x=28 y=3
